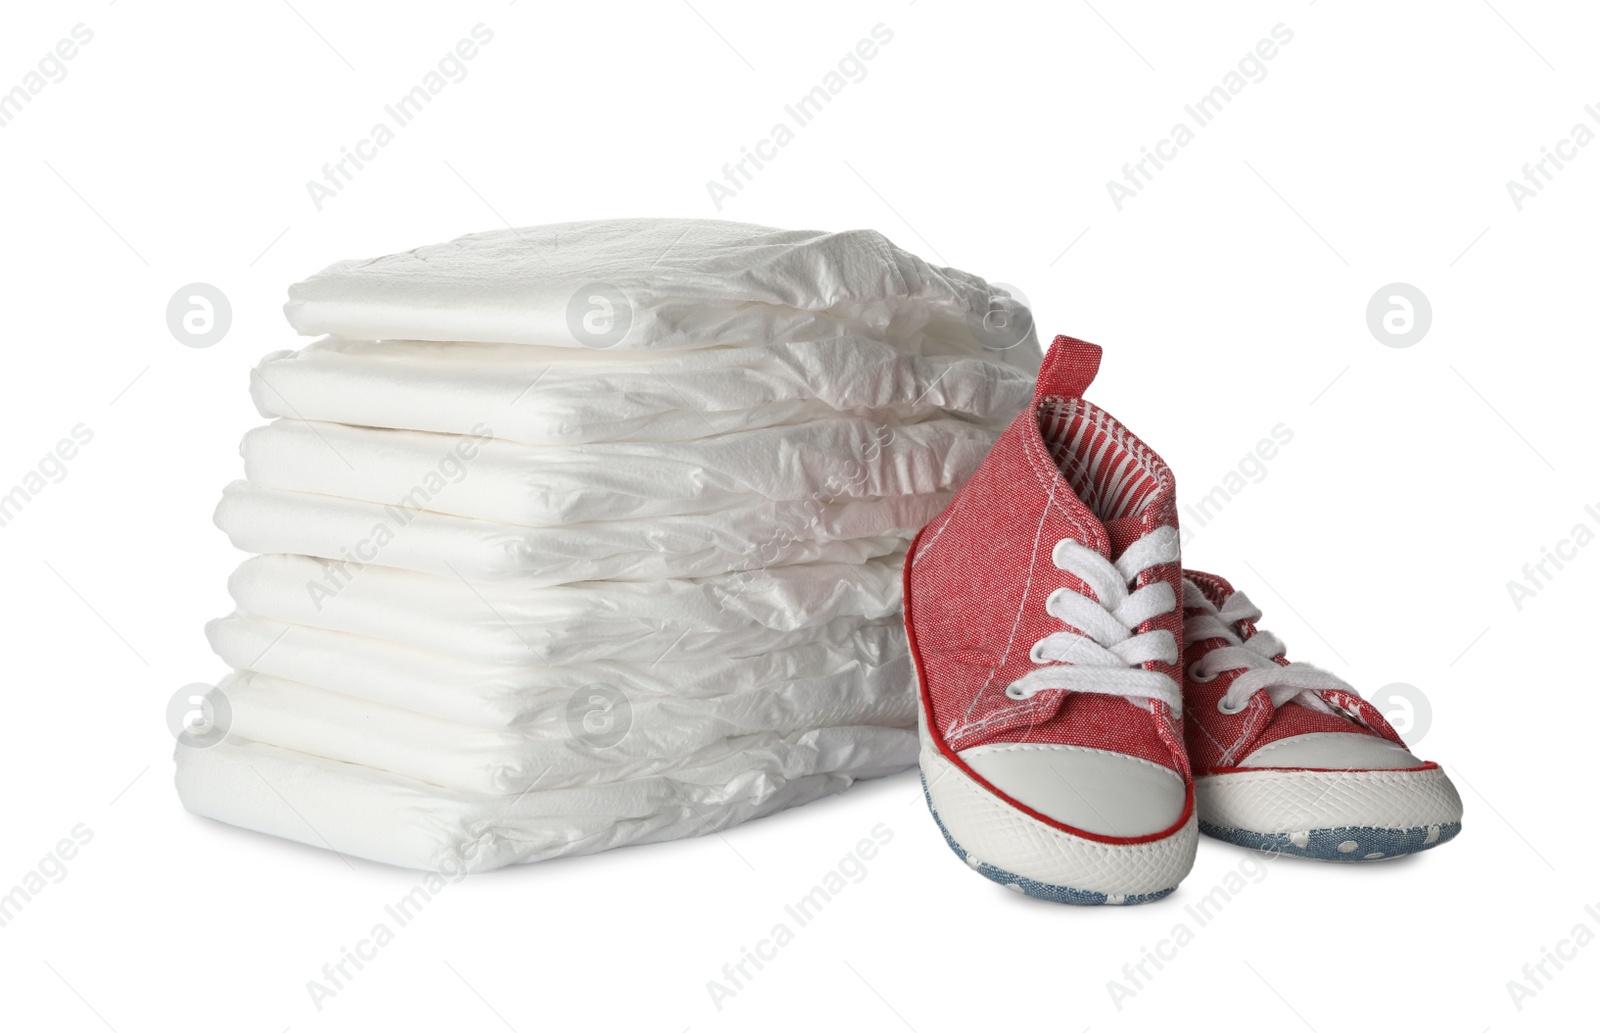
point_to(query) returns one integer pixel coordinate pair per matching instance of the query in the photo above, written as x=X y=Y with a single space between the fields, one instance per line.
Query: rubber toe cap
x=1333 y=751
x=1095 y=791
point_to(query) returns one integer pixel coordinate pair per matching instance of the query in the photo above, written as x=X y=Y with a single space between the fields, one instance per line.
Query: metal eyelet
x=1033 y=654
x=1196 y=676
x=1223 y=708
x=1013 y=692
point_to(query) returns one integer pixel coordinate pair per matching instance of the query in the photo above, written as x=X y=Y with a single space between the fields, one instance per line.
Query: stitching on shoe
x=978 y=727
x=928 y=545
x=1229 y=755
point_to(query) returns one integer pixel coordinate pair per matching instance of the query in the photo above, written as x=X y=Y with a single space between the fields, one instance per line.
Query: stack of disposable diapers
x=586 y=535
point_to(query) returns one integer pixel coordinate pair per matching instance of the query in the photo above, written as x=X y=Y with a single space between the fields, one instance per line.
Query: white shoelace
x=1102 y=650
x=1255 y=656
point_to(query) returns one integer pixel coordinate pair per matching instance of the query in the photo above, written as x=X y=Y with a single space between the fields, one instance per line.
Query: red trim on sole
x=1429 y=766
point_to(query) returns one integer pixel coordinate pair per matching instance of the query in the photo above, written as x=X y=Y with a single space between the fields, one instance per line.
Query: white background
x=1230 y=295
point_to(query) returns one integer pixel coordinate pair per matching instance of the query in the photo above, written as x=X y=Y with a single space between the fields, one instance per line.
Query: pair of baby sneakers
x=1088 y=706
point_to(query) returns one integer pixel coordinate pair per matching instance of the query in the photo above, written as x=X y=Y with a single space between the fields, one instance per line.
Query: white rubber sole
x=1331 y=815
x=1026 y=855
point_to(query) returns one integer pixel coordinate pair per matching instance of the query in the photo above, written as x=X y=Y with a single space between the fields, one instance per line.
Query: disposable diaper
x=845 y=670
x=551 y=751
x=737 y=614
x=742 y=537
x=665 y=284
x=552 y=396
x=363 y=812
x=545 y=486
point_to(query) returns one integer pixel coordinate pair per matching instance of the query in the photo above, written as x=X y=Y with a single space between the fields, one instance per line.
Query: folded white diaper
x=665 y=284
x=738 y=614
x=263 y=520
x=634 y=736
x=835 y=677
x=551 y=396
x=545 y=486
x=362 y=812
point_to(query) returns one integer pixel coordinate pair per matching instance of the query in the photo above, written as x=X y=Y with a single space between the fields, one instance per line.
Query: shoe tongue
x=1123 y=532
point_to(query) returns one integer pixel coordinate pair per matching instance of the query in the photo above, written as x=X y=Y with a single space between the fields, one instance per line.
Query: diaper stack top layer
x=664 y=285
x=554 y=521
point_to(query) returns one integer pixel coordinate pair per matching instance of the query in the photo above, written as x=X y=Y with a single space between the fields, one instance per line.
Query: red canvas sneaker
x=1287 y=757
x=1043 y=612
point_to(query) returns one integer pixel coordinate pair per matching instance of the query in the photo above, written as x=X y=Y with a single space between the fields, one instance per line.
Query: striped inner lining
x=1112 y=473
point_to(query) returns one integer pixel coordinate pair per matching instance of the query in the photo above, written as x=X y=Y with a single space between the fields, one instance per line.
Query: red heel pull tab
x=1068 y=369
